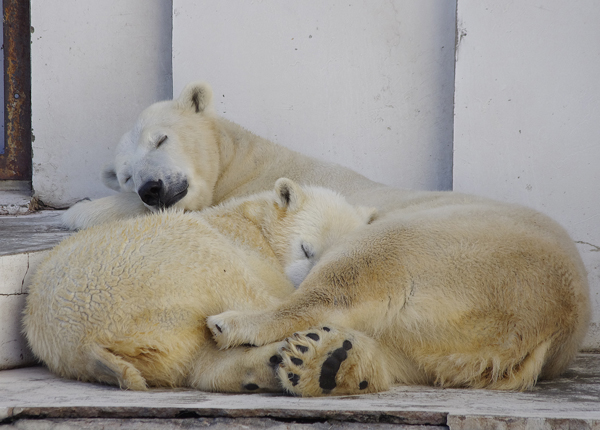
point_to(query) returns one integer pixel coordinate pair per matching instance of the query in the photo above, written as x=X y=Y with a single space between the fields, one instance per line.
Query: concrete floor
x=32 y=232
x=31 y=397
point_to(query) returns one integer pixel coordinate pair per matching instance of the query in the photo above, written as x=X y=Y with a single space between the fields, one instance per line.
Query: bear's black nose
x=150 y=192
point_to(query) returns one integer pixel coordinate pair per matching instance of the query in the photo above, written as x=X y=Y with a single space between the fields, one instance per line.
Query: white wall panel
x=527 y=114
x=367 y=84
x=95 y=66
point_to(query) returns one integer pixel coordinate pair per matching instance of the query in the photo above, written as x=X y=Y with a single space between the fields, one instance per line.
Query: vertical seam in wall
x=172 y=36
x=456 y=42
x=172 y=26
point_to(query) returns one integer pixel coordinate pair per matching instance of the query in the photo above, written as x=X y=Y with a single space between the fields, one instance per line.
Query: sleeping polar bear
x=442 y=288
x=126 y=303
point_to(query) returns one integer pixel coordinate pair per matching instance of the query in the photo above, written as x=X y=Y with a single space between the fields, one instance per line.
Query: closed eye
x=127 y=179
x=309 y=253
x=161 y=141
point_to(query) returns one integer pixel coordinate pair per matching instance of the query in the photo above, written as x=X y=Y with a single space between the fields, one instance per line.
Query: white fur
x=124 y=302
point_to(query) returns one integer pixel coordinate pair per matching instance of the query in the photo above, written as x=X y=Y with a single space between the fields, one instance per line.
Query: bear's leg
x=351 y=291
x=236 y=370
x=86 y=213
x=234 y=328
x=333 y=360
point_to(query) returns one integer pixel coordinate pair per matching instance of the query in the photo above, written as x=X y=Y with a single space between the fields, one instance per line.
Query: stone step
x=24 y=240
x=33 y=396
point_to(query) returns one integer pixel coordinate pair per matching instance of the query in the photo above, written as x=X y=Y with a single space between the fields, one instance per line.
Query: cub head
x=170 y=156
x=307 y=221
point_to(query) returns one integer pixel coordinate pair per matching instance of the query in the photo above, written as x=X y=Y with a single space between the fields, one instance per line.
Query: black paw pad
x=347 y=345
x=302 y=348
x=313 y=336
x=275 y=360
x=297 y=361
x=331 y=366
x=293 y=378
x=251 y=387
x=326 y=329
x=363 y=385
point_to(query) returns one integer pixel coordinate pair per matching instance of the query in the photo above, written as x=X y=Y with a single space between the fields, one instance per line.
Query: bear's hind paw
x=322 y=362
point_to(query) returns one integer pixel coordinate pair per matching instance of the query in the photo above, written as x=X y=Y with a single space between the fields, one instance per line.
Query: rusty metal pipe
x=15 y=163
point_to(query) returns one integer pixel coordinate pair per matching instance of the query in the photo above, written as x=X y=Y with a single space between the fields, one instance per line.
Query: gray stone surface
x=201 y=423
x=572 y=401
x=15 y=202
x=33 y=232
x=485 y=422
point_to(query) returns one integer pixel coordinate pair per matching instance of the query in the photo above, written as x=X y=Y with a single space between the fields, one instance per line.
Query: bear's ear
x=196 y=96
x=289 y=194
x=368 y=214
x=109 y=177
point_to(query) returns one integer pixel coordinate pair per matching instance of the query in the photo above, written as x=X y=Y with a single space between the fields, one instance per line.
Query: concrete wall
x=527 y=110
x=368 y=84
x=95 y=66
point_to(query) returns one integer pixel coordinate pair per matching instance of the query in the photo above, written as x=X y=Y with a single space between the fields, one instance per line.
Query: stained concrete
x=33 y=232
x=24 y=241
x=202 y=423
x=14 y=202
x=34 y=396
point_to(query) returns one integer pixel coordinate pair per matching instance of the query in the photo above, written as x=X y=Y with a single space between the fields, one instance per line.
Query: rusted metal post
x=15 y=163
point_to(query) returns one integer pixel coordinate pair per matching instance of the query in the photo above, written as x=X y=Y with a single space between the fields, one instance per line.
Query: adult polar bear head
x=181 y=154
x=167 y=157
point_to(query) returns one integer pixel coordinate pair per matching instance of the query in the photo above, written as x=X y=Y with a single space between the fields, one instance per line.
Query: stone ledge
x=37 y=231
x=16 y=202
x=202 y=423
x=573 y=401
x=24 y=241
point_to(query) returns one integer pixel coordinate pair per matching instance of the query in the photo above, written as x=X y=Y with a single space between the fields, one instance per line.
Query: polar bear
x=126 y=303
x=442 y=288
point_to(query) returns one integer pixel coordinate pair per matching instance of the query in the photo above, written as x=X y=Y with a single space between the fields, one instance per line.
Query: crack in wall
x=595 y=248
x=23 y=278
x=25 y=275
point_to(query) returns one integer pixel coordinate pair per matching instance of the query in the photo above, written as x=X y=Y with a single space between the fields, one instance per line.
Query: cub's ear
x=368 y=214
x=196 y=96
x=109 y=177
x=289 y=194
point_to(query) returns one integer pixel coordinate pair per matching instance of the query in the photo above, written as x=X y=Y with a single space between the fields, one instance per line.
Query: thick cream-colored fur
x=125 y=303
x=442 y=288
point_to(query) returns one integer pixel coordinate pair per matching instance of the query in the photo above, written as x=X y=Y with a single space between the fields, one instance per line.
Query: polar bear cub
x=126 y=303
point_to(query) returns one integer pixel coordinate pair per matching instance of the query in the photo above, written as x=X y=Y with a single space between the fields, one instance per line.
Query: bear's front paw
x=232 y=328
x=74 y=217
x=325 y=361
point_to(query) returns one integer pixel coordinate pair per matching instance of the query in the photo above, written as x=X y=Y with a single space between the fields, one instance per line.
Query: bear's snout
x=156 y=194
x=150 y=192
